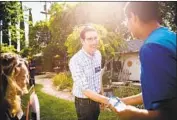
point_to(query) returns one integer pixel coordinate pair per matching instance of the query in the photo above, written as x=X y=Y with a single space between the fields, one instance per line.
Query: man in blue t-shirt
x=158 y=65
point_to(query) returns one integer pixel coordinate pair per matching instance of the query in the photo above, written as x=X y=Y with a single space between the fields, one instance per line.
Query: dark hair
x=86 y=29
x=146 y=11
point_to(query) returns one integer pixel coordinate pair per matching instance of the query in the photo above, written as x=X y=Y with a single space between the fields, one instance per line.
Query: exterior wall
x=132 y=64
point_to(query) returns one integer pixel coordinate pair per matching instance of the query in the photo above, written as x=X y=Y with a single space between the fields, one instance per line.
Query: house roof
x=131 y=46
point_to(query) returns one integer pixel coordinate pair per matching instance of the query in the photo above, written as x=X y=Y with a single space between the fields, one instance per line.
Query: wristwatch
x=117 y=103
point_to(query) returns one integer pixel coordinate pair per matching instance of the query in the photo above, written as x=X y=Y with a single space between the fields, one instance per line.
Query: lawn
x=53 y=108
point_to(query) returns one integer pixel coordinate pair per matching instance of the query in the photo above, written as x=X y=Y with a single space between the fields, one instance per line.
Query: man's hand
x=133 y=113
x=127 y=113
x=102 y=106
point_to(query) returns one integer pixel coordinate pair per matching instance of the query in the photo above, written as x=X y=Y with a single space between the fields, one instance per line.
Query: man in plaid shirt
x=85 y=67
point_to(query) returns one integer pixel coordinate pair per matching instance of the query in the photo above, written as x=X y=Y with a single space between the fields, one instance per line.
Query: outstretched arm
x=133 y=100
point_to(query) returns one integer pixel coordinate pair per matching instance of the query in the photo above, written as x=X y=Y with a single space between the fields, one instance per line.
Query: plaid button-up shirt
x=86 y=71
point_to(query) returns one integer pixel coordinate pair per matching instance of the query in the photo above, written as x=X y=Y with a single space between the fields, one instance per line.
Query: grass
x=52 y=108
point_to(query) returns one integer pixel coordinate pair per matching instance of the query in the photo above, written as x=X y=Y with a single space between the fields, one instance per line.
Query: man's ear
x=133 y=17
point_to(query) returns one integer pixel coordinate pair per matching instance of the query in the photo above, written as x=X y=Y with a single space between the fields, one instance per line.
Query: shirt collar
x=90 y=56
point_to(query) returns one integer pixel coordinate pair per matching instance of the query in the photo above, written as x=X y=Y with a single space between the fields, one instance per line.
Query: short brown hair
x=86 y=29
x=146 y=11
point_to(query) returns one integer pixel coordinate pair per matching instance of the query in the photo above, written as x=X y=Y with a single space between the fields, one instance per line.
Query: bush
x=125 y=91
x=5 y=48
x=63 y=80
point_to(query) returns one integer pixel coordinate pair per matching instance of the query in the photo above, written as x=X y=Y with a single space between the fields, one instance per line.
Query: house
x=130 y=61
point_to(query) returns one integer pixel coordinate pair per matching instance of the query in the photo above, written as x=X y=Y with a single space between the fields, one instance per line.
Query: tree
x=64 y=17
x=10 y=14
x=169 y=14
x=61 y=24
x=37 y=37
x=32 y=47
x=22 y=28
x=110 y=42
x=112 y=19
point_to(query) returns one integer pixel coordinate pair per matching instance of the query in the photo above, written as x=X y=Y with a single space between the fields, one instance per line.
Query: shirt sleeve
x=78 y=75
x=158 y=75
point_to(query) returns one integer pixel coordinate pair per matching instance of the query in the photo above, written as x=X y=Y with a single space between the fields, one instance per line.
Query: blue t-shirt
x=158 y=68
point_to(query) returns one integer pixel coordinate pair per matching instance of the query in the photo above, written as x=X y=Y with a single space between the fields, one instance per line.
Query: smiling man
x=85 y=67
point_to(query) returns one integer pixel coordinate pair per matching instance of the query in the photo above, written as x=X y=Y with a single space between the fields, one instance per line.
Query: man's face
x=90 y=43
x=134 y=26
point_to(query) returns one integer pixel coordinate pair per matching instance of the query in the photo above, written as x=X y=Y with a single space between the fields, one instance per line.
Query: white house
x=130 y=60
x=130 y=56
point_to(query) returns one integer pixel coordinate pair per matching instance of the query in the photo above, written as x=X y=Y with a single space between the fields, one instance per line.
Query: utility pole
x=45 y=12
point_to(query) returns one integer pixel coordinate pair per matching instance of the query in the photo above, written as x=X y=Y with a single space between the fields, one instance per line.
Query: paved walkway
x=48 y=88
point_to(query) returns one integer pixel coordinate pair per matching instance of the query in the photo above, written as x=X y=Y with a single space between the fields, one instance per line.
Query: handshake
x=115 y=103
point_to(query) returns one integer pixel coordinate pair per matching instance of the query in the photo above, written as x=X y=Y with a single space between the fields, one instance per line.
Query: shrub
x=125 y=91
x=6 y=48
x=63 y=80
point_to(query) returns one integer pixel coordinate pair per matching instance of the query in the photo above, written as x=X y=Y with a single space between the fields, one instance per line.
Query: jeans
x=87 y=109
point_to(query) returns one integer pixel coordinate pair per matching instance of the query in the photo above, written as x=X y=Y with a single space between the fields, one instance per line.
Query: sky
x=36 y=7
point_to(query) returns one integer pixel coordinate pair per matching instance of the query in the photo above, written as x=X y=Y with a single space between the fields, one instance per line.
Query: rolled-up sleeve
x=78 y=75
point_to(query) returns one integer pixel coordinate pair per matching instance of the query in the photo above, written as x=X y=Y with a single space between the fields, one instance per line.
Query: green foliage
x=169 y=14
x=61 y=23
x=63 y=80
x=64 y=17
x=22 y=28
x=6 y=48
x=49 y=53
x=26 y=52
x=11 y=14
x=73 y=43
x=38 y=37
x=110 y=42
x=125 y=91
x=60 y=26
